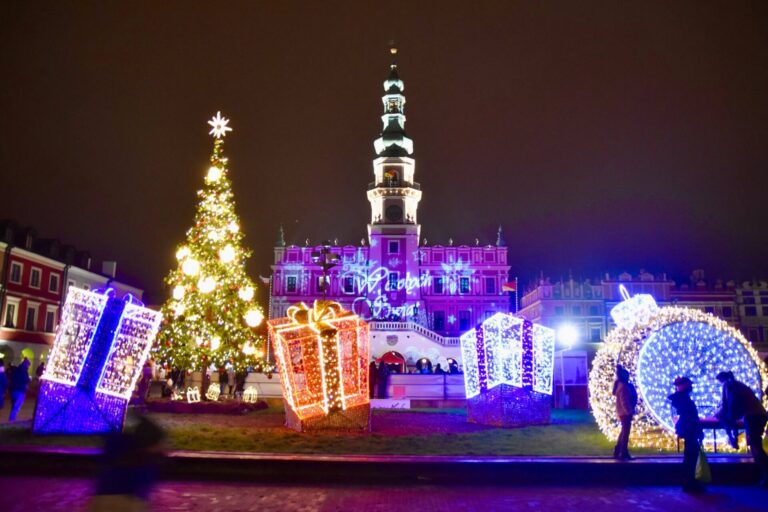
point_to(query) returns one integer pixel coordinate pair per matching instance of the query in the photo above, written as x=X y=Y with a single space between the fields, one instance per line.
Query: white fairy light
x=227 y=254
x=245 y=294
x=178 y=292
x=206 y=284
x=214 y=174
x=191 y=267
x=182 y=253
x=253 y=317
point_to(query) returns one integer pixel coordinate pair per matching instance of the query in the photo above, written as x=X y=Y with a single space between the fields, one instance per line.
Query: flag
x=509 y=287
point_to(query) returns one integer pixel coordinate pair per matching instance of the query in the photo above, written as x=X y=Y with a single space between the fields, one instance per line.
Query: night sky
x=603 y=136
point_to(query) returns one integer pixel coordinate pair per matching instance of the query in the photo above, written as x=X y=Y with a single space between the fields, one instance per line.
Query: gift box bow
x=316 y=317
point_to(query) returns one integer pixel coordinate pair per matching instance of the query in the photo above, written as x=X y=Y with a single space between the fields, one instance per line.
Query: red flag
x=509 y=287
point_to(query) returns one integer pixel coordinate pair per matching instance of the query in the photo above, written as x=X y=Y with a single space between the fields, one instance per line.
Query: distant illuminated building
x=419 y=298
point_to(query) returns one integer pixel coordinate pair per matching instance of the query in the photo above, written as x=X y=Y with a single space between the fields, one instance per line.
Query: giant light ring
x=623 y=345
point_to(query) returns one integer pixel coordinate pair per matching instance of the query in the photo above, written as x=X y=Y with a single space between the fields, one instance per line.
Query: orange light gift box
x=322 y=356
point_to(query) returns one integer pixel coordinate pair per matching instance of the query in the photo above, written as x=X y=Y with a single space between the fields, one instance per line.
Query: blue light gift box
x=98 y=354
x=508 y=365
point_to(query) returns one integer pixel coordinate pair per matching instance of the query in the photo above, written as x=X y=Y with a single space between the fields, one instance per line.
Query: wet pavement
x=63 y=494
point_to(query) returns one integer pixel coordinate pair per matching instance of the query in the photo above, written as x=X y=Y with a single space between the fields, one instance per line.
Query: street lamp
x=327 y=260
x=568 y=336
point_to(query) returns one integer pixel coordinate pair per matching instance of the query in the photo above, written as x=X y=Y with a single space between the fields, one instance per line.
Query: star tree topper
x=219 y=126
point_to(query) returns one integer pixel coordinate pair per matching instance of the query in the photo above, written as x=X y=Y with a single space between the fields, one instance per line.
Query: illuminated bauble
x=253 y=317
x=215 y=343
x=214 y=236
x=227 y=254
x=660 y=345
x=199 y=340
x=249 y=349
x=191 y=267
x=214 y=174
x=178 y=292
x=182 y=253
x=206 y=284
x=179 y=309
x=246 y=293
x=233 y=227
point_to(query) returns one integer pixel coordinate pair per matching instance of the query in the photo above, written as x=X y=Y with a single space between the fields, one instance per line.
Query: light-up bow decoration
x=636 y=310
x=506 y=349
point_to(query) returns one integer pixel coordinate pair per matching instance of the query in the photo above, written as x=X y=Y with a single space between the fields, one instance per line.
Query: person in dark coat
x=3 y=384
x=626 y=401
x=689 y=429
x=19 y=384
x=383 y=379
x=739 y=402
x=372 y=376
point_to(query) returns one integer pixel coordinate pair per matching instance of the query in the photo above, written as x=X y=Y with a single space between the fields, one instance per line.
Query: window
x=53 y=283
x=490 y=285
x=750 y=311
x=463 y=285
x=765 y=310
x=392 y=279
x=559 y=310
x=31 y=322
x=749 y=300
x=290 y=284
x=50 y=321
x=727 y=311
x=594 y=334
x=489 y=256
x=321 y=283
x=594 y=311
x=439 y=322
x=10 y=315
x=34 y=278
x=710 y=310
x=349 y=284
x=576 y=310
x=393 y=247
x=439 y=282
x=463 y=320
x=16 y=269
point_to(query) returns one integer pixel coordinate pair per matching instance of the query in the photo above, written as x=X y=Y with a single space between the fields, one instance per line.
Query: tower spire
x=393 y=140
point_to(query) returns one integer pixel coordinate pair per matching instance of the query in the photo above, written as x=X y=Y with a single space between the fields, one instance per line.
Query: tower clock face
x=394 y=213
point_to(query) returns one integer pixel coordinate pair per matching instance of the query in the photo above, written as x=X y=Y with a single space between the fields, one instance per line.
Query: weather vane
x=219 y=126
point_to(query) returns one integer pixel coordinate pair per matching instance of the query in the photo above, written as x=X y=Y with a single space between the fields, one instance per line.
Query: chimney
x=109 y=268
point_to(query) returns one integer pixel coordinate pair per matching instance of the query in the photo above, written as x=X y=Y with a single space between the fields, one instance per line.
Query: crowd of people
x=15 y=382
x=738 y=404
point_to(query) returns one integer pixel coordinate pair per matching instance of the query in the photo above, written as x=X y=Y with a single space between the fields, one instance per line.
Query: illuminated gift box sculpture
x=508 y=365
x=322 y=356
x=98 y=354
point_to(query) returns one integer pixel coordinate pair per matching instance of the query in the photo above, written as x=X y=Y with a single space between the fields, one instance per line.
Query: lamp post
x=568 y=336
x=327 y=260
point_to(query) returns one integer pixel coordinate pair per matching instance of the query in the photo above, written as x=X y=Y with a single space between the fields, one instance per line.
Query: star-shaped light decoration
x=219 y=126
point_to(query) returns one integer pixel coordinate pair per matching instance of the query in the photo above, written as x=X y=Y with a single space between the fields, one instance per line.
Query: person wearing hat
x=689 y=429
x=626 y=401
x=740 y=402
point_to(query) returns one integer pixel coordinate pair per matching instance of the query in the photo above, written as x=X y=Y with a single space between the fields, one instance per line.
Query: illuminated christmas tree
x=210 y=316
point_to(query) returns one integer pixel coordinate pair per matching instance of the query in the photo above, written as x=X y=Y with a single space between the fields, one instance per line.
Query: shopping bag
x=703 y=473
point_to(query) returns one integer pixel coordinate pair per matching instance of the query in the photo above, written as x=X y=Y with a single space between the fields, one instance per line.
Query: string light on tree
x=207 y=319
x=657 y=344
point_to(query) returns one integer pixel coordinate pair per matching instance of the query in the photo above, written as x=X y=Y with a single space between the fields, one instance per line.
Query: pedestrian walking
x=19 y=384
x=231 y=380
x=3 y=384
x=222 y=382
x=383 y=379
x=689 y=429
x=739 y=402
x=626 y=401
x=373 y=373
